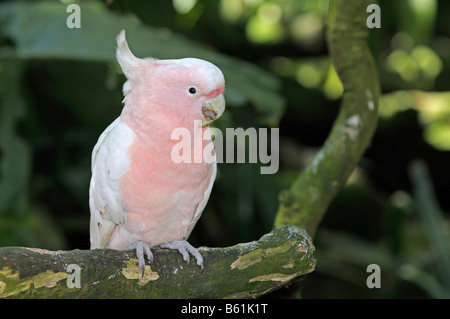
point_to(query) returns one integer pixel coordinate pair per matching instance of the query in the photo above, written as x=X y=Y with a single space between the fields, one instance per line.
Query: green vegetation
x=60 y=88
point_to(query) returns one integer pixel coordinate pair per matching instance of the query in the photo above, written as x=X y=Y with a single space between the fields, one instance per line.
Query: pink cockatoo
x=139 y=196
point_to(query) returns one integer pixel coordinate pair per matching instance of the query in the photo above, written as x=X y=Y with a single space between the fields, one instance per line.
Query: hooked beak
x=212 y=109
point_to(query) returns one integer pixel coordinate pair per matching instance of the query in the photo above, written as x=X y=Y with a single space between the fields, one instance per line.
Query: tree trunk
x=305 y=203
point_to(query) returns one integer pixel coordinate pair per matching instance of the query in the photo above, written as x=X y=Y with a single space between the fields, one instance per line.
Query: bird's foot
x=185 y=249
x=141 y=250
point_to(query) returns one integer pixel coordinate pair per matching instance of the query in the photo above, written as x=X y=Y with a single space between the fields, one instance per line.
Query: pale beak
x=213 y=109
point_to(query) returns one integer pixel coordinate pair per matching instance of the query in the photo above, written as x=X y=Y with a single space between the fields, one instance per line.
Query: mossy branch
x=305 y=203
x=246 y=270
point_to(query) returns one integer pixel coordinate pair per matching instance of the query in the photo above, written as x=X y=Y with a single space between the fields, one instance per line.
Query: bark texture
x=247 y=270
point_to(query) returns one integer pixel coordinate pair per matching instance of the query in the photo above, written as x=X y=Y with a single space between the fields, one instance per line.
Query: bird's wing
x=202 y=204
x=109 y=162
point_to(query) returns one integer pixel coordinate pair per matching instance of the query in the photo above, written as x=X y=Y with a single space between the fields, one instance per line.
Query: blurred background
x=61 y=87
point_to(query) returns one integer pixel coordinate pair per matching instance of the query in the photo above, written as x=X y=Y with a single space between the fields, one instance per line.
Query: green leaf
x=39 y=31
x=433 y=220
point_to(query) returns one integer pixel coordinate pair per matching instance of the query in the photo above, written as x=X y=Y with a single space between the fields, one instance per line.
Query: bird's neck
x=162 y=126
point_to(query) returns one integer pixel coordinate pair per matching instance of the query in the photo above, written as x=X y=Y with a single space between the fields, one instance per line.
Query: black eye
x=192 y=90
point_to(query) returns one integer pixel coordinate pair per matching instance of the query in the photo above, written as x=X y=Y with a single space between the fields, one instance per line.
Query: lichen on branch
x=246 y=270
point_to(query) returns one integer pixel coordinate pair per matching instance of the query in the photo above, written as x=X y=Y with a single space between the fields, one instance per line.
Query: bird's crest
x=127 y=60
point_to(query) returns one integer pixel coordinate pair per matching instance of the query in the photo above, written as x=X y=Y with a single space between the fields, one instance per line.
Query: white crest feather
x=128 y=62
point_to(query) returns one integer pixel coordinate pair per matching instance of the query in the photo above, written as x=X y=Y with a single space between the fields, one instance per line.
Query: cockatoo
x=139 y=197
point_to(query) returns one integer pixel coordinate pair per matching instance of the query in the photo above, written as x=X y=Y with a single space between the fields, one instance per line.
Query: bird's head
x=189 y=88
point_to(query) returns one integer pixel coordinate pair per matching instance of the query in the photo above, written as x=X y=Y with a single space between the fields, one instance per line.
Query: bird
x=139 y=197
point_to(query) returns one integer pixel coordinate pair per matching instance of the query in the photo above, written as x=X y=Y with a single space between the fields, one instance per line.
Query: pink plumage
x=139 y=196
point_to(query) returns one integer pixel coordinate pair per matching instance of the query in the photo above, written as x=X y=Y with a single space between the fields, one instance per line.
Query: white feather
x=128 y=62
x=109 y=162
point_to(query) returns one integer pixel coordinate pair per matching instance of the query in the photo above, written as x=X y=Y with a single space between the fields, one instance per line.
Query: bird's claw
x=141 y=250
x=185 y=249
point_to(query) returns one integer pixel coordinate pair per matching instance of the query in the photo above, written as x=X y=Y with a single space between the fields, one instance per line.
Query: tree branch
x=305 y=203
x=242 y=271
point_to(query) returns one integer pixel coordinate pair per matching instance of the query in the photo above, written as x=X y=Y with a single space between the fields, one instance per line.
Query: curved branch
x=242 y=271
x=305 y=203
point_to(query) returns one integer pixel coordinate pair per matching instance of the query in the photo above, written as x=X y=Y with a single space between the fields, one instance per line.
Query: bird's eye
x=192 y=90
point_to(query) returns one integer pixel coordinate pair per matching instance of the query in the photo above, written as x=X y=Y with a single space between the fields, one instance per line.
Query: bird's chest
x=160 y=194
